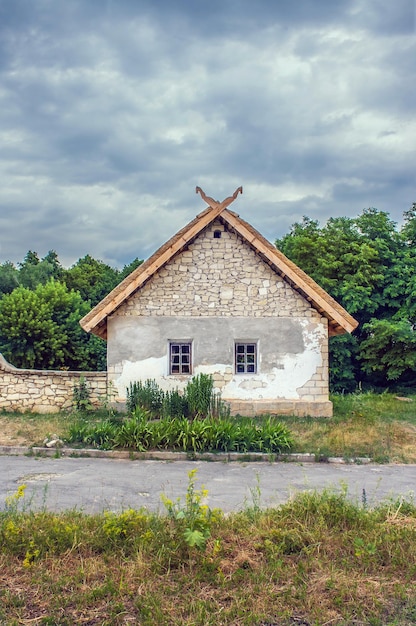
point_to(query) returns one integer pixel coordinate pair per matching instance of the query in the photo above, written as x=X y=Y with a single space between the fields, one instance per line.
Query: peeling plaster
x=281 y=382
x=151 y=368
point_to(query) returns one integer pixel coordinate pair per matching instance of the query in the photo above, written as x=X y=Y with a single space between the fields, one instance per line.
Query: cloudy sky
x=112 y=111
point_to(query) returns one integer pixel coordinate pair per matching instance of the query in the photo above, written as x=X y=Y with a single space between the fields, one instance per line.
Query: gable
x=339 y=320
x=219 y=274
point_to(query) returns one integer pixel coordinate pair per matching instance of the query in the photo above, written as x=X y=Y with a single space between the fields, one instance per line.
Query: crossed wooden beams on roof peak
x=216 y=206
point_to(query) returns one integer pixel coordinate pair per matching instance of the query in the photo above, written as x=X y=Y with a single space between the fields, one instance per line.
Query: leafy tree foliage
x=129 y=268
x=40 y=329
x=9 y=277
x=368 y=266
x=41 y=304
x=92 y=279
x=34 y=271
x=389 y=350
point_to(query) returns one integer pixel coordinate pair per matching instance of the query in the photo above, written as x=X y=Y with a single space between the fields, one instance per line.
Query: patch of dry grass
x=315 y=560
x=29 y=429
x=392 y=441
x=379 y=426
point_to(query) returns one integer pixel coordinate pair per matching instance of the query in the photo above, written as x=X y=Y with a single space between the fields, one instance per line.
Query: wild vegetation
x=377 y=426
x=366 y=263
x=318 y=559
x=194 y=421
x=198 y=399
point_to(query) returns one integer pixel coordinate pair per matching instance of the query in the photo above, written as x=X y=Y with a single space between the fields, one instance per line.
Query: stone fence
x=45 y=391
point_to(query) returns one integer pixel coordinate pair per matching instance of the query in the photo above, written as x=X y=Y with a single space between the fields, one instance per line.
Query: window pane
x=245 y=358
x=180 y=358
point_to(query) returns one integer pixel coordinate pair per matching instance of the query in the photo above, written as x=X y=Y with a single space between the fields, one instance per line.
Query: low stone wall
x=45 y=391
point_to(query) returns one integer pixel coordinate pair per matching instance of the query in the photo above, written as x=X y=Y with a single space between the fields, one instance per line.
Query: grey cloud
x=389 y=18
x=113 y=111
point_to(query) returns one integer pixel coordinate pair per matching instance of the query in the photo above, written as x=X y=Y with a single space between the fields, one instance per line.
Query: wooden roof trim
x=139 y=276
x=321 y=299
x=95 y=320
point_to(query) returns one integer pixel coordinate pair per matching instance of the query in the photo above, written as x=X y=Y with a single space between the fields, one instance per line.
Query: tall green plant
x=175 y=405
x=198 y=400
x=192 y=519
x=82 y=395
x=147 y=395
x=198 y=394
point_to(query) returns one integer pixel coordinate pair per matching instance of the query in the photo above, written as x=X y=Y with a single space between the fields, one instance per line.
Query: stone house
x=218 y=298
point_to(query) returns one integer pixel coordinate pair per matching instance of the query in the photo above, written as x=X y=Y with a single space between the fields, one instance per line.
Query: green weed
x=193 y=519
x=82 y=395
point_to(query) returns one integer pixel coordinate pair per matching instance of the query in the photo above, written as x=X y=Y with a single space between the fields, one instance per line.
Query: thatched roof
x=339 y=320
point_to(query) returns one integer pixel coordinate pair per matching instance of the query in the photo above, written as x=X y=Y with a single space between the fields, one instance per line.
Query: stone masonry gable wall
x=45 y=391
x=217 y=277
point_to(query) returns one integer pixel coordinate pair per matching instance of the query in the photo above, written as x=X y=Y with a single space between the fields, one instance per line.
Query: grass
x=318 y=559
x=378 y=426
x=371 y=425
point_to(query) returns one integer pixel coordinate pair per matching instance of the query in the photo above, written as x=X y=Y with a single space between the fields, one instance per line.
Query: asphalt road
x=94 y=485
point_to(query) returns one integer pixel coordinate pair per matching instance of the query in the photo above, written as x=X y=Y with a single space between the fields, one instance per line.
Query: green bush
x=175 y=405
x=198 y=394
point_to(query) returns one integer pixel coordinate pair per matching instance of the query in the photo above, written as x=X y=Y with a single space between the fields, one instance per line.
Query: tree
x=9 y=277
x=54 y=265
x=33 y=271
x=92 y=279
x=343 y=363
x=389 y=350
x=40 y=329
x=128 y=269
x=370 y=268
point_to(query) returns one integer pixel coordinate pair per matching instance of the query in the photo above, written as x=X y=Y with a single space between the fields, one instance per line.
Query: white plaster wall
x=290 y=354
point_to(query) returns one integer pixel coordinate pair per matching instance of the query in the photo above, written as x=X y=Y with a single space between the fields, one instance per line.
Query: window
x=180 y=358
x=217 y=234
x=245 y=358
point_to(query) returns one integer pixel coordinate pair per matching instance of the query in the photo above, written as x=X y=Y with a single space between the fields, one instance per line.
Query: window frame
x=182 y=354
x=243 y=350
